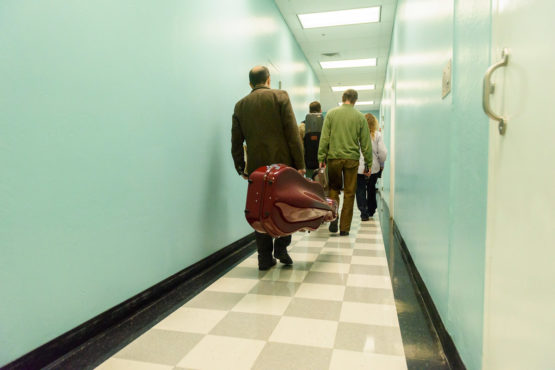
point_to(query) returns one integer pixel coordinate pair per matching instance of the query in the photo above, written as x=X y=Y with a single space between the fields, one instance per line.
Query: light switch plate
x=446 y=80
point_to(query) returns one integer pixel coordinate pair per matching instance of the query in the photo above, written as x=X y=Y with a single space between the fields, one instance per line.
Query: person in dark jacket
x=264 y=119
x=310 y=130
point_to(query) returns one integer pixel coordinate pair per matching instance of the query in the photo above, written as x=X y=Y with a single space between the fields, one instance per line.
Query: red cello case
x=280 y=201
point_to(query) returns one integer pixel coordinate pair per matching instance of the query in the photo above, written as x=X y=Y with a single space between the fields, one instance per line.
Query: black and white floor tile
x=333 y=309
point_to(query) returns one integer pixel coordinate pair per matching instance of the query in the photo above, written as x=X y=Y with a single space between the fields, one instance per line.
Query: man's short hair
x=350 y=95
x=258 y=75
x=315 y=107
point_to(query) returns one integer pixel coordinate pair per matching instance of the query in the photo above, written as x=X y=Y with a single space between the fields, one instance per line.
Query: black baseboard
x=92 y=342
x=453 y=357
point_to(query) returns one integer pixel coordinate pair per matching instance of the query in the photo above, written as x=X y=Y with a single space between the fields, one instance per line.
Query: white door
x=519 y=321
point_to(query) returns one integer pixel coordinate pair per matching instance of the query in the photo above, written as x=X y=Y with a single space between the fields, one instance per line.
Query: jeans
x=366 y=194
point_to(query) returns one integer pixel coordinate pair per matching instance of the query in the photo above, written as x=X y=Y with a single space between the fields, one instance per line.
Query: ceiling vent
x=330 y=54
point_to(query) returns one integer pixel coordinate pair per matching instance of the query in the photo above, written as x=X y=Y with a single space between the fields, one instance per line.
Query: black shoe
x=284 y=258
x=343 y=233
x=333 y=226
x=365 y=218
x=266 y=266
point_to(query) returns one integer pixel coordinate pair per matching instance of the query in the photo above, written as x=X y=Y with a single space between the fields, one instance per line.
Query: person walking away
x=345 y=134
x=366 y=186
x=264 y=119
x=311 y=139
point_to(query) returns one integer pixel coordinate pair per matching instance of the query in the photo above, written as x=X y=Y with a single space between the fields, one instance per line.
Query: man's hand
x=367 y=174
x=322 y=165
x=302 y=172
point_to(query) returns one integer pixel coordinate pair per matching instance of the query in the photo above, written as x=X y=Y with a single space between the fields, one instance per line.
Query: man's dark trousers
x=366 y=194
x=266 y=244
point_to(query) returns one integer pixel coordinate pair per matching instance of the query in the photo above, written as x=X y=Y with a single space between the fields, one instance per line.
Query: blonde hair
x=372 y=124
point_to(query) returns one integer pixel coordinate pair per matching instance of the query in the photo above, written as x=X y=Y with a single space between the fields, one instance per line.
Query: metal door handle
x=489 y=89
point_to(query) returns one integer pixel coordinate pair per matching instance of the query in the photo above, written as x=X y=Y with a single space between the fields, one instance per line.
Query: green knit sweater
x=344 y=135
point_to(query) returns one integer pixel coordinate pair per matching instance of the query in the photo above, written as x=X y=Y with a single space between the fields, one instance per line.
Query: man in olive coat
x=265 y=120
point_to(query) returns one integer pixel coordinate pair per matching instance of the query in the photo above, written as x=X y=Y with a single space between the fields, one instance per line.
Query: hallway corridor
x=333 y=309
x=128 y=129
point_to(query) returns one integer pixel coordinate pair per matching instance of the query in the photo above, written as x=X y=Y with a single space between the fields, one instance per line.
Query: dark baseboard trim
x=92 y=342
x=449 y=348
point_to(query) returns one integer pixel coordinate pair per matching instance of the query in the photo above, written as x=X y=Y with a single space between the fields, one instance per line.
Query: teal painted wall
x=441 y=155
x=376 y=113
x=115 y=120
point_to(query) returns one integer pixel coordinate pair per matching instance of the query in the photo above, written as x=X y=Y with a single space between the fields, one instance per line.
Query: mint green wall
x=376 y=113
x=115 y=121
x=441 y=156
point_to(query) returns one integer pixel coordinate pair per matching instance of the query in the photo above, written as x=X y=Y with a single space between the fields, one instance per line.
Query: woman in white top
x=366 y=186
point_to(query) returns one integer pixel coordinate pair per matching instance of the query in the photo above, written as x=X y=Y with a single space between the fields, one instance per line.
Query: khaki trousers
x=343 y=173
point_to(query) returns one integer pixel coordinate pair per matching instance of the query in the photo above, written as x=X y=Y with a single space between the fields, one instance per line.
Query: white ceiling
x=359 y=41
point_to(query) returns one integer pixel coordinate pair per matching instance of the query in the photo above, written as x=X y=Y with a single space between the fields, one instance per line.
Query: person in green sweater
x=344 y=136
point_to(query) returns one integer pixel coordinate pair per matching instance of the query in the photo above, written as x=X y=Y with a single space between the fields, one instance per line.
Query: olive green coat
x=265 y=120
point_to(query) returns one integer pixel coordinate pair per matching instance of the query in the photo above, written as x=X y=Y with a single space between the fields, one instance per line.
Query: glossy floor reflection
x=333 y=309
x=421 y=342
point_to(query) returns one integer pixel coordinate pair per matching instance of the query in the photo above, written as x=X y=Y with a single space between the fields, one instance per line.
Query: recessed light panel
x=370 y=62
x=340 y=17
x=357 y=87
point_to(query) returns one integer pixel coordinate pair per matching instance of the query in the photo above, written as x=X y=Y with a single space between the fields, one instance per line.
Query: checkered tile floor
x=334 y=309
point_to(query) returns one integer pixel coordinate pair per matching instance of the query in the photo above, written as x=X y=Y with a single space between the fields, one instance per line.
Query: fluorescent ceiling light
x=357 y=87
x=370 y=62
x=340 y=17
x=360 y=103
